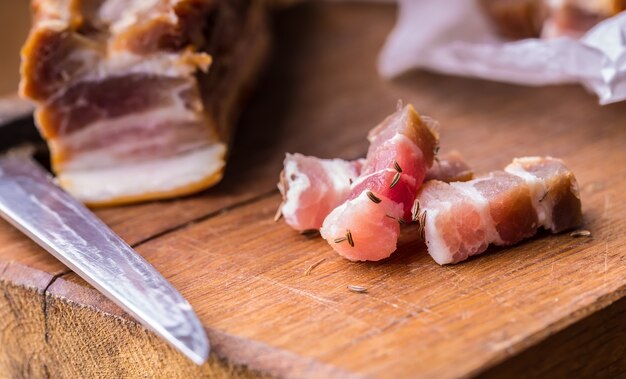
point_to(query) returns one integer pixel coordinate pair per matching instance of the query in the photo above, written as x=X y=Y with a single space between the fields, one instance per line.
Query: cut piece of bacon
x=402 y=149
x=450 y=167
x=137 y=100
x=312 y=187
x=364 y=228
x=459 y=220
x=555 y=191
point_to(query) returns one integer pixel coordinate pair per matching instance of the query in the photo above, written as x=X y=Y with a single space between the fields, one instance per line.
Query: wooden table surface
x=553 y=305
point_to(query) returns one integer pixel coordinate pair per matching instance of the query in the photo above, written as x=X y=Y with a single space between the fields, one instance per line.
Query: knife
x=31 y=201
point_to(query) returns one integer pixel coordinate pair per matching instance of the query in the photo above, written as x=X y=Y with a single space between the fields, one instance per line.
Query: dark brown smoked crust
x=48 y=67
x=563 y=193
x=510 y=205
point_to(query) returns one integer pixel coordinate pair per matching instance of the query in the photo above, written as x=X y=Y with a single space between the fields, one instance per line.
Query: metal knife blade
x=31 y=202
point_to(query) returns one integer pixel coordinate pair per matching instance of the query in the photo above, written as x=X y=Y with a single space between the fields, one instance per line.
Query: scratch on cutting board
x=416 y=307
x=318 y=299
x=389 y=303
x=412 y=310
x=191 y=244
x=494 y=297
x=374 y=333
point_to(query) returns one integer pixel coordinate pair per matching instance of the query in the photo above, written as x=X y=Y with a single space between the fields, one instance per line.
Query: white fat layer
x=56 y=12
x=169 y=174
x=437 y=248
x=125 y=63
x=330 y=229
x=538 y=191
x=52 y=25
x=298 y=183
x=121 y=13
x=400 y=137
x=339 y=171
x=118 y=154
x=482 y=205
x=362 y=178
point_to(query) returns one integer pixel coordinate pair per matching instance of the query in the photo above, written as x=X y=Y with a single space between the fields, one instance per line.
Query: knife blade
x=30 y=201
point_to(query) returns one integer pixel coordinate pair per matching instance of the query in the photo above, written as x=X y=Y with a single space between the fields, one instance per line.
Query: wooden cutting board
x=553 y=305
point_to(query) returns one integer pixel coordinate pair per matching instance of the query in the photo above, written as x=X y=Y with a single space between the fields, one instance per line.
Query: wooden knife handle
x=16 y=123
x=12 y=108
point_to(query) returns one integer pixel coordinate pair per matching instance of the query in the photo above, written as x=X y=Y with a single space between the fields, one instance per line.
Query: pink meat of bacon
x=312 y=187
x=366 y=227
x=459 y=220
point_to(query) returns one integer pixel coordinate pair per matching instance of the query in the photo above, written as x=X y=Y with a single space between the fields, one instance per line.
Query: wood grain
x=244 y=274
x=593 y=347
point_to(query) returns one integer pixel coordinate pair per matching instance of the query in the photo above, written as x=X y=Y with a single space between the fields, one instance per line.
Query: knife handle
x=13 y=108
x=16 y=123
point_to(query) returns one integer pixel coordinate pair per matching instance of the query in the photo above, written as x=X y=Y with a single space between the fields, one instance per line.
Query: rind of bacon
x=137 y=99
x=312 y=187
x=402 y=149
x=460 y=220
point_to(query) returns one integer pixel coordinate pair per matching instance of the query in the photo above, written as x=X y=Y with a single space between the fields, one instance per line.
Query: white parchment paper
x=454 y=37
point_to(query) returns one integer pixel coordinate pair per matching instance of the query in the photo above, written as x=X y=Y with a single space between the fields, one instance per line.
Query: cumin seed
x=415 y=211
x=397 y=166
x=396 y=179
x=357 y=289
x=373 y=197
x=340 y=239
x=580 y=233
x=349 y=237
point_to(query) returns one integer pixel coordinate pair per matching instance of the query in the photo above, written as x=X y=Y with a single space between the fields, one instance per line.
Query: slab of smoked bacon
x=137 y=99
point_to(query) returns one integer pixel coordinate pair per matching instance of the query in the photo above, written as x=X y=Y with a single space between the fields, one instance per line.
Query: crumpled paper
x=454 y=37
